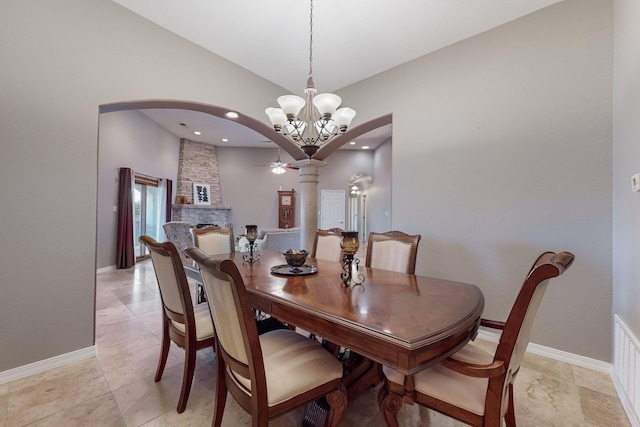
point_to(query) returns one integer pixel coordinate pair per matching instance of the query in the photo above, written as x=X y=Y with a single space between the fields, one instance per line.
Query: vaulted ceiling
x=366 y=37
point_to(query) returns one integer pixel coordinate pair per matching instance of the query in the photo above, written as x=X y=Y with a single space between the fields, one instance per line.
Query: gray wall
x=60 y=63
x=626 y=161
x=379 y=193
x=250 y=189
x=128 y=139
x=502 y=148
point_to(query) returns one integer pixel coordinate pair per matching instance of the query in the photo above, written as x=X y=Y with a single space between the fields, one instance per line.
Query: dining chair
x=187 y=326
x=392 y=250
x=473 y=385
x=214 y=240
x=326 y=245
x=180 y=233
x=266 y=374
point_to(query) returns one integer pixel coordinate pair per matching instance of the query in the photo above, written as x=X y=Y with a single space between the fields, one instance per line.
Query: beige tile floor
x=116 y=387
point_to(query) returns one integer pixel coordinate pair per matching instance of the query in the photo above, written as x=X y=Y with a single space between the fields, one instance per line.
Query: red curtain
x=125 y=256
x=169 y=194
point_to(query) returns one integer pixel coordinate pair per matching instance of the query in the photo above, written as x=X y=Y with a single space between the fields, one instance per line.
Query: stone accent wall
x=198 y=164
x=199 y=214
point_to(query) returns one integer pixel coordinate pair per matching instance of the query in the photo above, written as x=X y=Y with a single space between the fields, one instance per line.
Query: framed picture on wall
x=201 y=194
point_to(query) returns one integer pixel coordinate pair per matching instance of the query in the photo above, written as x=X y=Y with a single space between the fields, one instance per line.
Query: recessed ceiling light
x=197 y=132
x=365 y=147
x=352 y=143
x=232 y=115
x=225 y=140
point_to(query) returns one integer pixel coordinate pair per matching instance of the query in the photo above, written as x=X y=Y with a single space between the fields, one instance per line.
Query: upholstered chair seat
x=293 y=366
x=446 y=383
x=204 y=325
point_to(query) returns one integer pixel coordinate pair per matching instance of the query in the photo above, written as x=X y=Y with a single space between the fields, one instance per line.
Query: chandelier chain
x=311 y=40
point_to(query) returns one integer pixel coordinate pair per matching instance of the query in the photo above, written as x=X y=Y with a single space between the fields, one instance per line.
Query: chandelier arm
x=323 y=128
x=294 y=130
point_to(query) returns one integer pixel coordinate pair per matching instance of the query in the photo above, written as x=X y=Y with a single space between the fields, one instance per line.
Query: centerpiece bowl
x=295 y=257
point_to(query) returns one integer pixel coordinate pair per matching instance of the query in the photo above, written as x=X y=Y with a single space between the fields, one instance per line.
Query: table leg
x=390 y=404
x=361 y=375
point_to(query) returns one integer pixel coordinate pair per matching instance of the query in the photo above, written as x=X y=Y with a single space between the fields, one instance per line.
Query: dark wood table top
x=401 y=320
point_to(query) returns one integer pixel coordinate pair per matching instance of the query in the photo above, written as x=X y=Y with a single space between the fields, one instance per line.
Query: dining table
x=404 y=321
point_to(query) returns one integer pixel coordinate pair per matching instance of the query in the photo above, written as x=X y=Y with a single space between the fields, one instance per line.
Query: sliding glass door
x=146 y=211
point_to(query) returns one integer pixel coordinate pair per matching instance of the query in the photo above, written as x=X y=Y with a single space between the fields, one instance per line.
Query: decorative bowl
x=295 y=258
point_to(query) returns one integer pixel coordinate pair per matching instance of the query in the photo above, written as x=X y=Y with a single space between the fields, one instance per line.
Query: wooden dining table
x=404 y=321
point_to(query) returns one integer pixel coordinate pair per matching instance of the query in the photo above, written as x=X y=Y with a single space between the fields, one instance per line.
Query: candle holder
x=251 y=234
x=350 y=244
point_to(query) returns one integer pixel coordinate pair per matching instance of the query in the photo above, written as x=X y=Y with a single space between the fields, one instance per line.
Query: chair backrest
x=515 y=333
x=180 y=233
x=214 y=240
x=234 y=321
x=326 y=245
x=172 y=282
x=392 y=250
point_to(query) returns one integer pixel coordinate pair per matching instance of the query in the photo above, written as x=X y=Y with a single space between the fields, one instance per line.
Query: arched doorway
x=251 y=123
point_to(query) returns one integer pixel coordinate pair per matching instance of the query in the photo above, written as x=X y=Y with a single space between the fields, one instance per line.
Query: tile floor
x=116 y=387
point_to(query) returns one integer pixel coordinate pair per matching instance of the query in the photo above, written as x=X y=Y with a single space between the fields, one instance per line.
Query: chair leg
x=510 y=416
x=164 y=348
x=337 y=401
x=221 y=393
x=187 y=376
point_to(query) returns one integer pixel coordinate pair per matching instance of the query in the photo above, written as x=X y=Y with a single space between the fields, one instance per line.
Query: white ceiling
x=214 y=129
x=365 y=37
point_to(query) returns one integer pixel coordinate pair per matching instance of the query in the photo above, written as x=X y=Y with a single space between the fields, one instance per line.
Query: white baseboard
x=106 y=269
x=559 y=355
x=44 y=365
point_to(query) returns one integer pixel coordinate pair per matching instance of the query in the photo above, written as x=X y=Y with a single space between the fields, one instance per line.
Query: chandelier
x=314 y=120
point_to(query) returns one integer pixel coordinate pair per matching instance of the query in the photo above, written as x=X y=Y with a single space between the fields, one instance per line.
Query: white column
x=308 y=200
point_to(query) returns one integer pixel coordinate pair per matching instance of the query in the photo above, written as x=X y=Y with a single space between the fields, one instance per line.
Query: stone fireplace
x=198 y=164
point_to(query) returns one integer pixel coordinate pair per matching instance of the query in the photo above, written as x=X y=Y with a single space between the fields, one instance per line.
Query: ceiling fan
x=279 y=167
